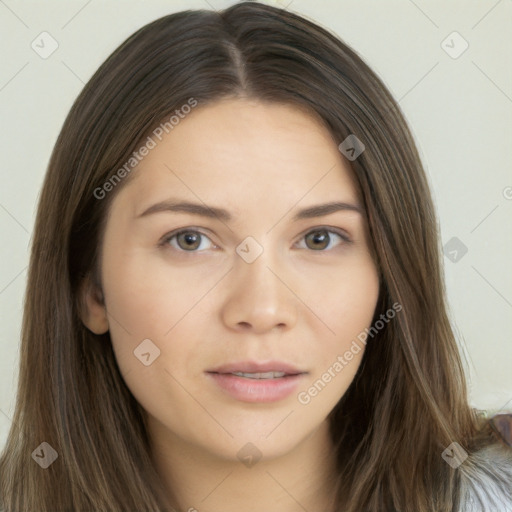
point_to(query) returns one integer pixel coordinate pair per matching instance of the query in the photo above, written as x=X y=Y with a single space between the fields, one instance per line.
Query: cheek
x=139 y=308
x=150 y=331
x=345 y=302
x=145 y=298
x=343 y=299
x=147 y=301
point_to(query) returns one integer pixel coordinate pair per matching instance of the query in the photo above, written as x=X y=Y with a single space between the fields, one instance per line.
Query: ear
x=93 y=311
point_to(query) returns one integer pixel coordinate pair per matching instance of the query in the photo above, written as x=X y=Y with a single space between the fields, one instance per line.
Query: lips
x=253 y=382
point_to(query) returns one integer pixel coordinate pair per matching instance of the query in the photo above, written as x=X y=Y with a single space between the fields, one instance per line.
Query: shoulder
x=486 y=479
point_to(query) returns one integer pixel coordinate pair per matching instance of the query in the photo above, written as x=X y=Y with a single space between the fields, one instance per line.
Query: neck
x=302 y=479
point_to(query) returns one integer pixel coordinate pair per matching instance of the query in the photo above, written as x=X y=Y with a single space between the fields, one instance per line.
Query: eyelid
x=338 y=231
x=168 y=236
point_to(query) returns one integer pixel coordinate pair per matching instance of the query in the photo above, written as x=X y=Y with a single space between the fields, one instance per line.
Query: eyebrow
x=222 y=214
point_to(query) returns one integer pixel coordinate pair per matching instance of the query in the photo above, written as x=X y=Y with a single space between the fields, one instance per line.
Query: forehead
x=240 y=151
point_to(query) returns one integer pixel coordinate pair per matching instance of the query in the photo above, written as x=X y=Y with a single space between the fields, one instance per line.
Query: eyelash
x=169 y=236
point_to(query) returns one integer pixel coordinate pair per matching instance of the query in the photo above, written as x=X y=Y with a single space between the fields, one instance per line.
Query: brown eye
x=189 y=240
x=318 y=240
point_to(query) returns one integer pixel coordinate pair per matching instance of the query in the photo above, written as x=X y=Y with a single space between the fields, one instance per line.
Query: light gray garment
x=487 y=480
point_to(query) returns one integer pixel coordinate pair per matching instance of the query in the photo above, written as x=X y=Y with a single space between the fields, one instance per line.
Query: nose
x=259 y=298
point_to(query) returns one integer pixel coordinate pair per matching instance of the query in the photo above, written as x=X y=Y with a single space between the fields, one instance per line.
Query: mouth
x=259 y=376
x=257 y=382
x=258 y=370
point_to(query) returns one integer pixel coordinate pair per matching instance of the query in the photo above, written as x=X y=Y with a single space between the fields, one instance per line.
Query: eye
x=320 y=239
x=191 y=240
x=188 y=240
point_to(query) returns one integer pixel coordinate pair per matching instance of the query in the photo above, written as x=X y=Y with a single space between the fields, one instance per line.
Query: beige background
x=460 y=110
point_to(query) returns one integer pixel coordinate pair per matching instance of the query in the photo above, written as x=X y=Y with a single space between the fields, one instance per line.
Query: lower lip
x=256 y=390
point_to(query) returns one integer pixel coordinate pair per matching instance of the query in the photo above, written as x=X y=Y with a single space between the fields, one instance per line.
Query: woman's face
x=264 y=279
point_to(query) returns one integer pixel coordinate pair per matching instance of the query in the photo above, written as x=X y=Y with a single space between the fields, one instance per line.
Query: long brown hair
x=408 y=400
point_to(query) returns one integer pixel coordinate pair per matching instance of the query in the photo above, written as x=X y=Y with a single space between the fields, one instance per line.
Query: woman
x=235 y=297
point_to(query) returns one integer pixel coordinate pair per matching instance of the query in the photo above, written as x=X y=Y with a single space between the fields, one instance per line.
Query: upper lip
x=257 y=367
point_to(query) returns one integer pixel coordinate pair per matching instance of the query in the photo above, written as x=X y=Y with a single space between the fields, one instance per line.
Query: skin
x=300 y=301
